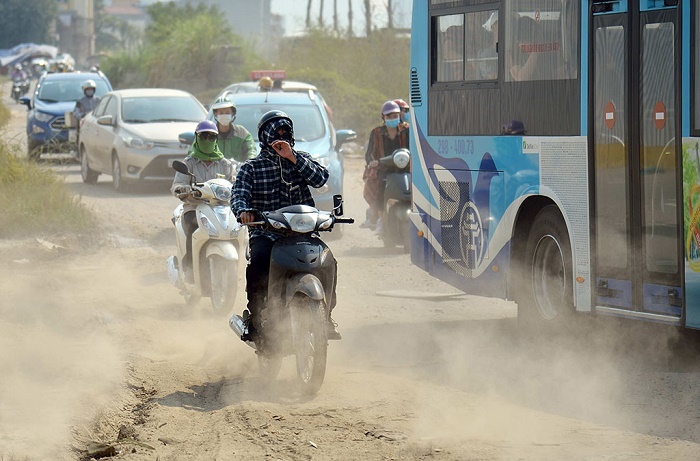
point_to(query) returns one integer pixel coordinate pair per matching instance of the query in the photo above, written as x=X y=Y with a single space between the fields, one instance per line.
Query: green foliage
x=37 y=202
x=356 y=76
x=4 y=115
x=23 y=21
x=191 y=48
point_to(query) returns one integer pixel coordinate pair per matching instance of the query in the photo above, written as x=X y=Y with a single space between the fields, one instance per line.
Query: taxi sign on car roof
x=273 y=74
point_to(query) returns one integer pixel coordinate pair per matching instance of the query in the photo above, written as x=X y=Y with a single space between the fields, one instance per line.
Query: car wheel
x=88 y=174
x=117 y=180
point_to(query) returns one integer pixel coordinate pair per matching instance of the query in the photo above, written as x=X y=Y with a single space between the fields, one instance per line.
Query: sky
x=295 y=13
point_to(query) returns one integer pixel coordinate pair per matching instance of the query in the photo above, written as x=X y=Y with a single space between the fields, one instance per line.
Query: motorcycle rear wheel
x=224 y=281
x=309 y=336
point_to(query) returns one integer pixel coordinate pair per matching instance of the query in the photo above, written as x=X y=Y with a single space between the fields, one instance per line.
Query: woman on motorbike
x=205 y=161
x=235 y=142
x=392 y=134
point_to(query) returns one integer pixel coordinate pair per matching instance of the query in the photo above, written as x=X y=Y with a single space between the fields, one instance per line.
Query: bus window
x=450 y=48
x=481 y=45
x=540 y=43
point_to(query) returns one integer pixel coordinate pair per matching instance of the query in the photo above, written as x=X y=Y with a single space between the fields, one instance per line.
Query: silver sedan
x=132 y=135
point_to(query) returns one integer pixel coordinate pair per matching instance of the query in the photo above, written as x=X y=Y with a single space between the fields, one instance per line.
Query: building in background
x=75 y=30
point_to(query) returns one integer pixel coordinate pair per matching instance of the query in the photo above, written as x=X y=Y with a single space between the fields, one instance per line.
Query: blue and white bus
x=556 y=154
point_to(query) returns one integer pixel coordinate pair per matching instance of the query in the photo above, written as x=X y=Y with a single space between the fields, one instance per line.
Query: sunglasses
x=208 y=136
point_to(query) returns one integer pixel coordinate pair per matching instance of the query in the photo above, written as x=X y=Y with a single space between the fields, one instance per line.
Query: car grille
x=58 y=124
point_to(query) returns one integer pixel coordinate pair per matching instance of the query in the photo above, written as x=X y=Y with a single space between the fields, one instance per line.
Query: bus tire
x=545 y=295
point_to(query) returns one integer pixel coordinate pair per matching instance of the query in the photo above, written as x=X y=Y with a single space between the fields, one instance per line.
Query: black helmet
x=271 y=116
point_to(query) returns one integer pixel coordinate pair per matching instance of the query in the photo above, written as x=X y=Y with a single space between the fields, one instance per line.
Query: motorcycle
x=302 y=271
x=216 y=245
x=397 y=198
x=19 y=88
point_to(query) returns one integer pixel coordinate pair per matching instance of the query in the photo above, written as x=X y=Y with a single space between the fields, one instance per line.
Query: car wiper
x=48 y=100
x=136 y=120
x=171 y=120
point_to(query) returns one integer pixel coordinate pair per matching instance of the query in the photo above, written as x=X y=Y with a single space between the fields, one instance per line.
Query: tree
x=23 y=21
x=368 y=17
x=308 y=14
x=350 y=33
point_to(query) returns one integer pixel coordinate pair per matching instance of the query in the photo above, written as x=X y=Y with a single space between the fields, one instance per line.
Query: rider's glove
x=183 y=191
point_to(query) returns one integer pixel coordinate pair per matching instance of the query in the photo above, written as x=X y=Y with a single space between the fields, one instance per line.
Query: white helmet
x=224 y=102
x=89 y=84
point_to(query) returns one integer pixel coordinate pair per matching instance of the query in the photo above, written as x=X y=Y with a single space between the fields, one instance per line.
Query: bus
x=556 y=154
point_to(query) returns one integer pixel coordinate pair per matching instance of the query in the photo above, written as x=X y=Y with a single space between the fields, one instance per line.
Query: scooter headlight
x=222 y=193
x=302 y=222
x=402 y=158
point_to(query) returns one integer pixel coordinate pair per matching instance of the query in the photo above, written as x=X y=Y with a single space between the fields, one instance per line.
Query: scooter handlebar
x=344 y=220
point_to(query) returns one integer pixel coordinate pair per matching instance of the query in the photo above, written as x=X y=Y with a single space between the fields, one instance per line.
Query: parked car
x=313 y=131
x=133 y=135
x=56 y=94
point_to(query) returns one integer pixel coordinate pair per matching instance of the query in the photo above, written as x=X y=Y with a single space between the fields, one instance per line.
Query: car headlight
x=42 y=117
x=402 y=158
x=136 y=143
x=221 y=193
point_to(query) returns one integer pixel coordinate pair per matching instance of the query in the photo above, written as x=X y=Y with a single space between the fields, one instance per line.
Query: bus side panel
x=691 y=229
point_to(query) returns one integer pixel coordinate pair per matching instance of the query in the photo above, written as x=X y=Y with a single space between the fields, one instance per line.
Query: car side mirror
x=186 y=138
x=26 y=101
x=338 y=205
x=105 y=120
x=343 y=136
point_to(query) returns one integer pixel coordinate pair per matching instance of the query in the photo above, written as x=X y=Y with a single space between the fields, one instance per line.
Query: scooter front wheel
x=309 y=335
x=224 y=283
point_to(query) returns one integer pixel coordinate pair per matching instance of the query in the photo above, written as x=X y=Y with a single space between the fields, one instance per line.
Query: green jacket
x=237 y=144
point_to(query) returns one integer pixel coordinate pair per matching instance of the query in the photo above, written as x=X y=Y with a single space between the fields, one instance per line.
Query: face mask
x=206 y=146
x=392 y=123
x=89 y=93
x=406 y=117
x=224 y=119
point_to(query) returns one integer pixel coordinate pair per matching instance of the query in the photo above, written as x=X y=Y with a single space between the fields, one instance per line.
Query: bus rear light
x=494 y=269
x=580 y=279
x=420 y=233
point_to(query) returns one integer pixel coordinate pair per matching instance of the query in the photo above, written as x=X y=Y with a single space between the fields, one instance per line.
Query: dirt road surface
x=97 y=346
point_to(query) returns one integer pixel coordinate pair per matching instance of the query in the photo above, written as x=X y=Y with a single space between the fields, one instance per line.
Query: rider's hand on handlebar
x=183 y=191
x=373 y=163
x=247 y=217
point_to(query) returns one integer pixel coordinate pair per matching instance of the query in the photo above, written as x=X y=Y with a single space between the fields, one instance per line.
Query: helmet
x=265 y=83
x=18 y=66
x=206 y=125
x=401 y=103
x=89 y=84
x=269 y=117
x=222 y=103
x=390 y=107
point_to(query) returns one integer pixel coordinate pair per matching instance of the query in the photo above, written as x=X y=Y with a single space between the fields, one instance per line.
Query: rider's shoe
x=379 y=229
x=333 y=333
x=368 y=224
x=189 y=276
x=250 y=333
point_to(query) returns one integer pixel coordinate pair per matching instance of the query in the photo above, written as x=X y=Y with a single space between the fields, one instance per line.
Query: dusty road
x=96 y=346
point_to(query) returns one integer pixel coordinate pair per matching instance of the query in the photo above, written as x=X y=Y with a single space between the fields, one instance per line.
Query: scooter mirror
x=181 y=167
x=338 y=205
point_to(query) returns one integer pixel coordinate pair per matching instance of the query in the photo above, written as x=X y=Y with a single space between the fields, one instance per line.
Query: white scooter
x=216 y=245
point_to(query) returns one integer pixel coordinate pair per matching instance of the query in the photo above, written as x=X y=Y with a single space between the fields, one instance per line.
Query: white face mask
x=224 y=119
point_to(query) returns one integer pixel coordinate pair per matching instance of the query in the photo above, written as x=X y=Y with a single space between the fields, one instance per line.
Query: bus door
x=634 y=126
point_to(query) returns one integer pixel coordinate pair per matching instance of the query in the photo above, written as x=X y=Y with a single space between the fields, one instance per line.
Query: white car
x=133 y=135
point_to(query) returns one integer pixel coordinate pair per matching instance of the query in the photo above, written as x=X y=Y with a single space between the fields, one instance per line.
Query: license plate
x=72 y=135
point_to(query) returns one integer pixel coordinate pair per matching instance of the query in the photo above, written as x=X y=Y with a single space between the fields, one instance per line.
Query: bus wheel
x=545 y=296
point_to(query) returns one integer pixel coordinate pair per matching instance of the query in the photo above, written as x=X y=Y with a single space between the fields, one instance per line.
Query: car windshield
x=154 y=109
x=308 y=121
x=67 y=90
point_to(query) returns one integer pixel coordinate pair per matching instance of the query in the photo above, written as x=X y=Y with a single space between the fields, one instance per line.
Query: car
x=56 y=94
x=313 y=131
x=132 y=135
